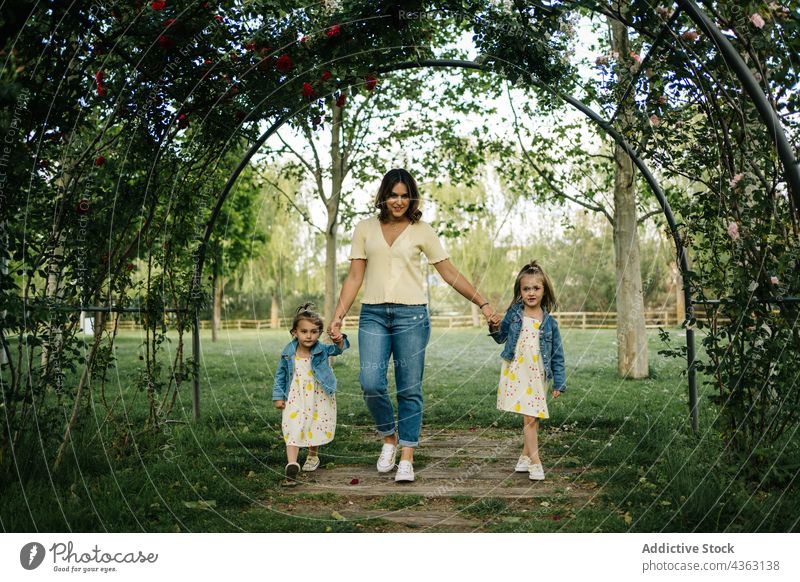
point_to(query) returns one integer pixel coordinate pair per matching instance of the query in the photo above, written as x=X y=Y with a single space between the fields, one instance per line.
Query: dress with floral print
x=309 y=419
x=522 y=381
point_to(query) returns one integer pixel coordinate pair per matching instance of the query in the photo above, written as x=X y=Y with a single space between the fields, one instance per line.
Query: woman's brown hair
x=307 y=311
x=549 y=297
x=392 y=177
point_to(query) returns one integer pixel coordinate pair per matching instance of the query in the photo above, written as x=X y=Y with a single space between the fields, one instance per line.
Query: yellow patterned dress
x=309 y=419
x=522 y=381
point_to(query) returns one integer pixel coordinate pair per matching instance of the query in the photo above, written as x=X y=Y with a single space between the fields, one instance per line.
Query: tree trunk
x=632 y=357
x=337 y=177
x=274 y=320
x=216 y=318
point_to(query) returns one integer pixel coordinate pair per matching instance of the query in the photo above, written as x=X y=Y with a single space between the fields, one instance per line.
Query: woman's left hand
x=491 y=315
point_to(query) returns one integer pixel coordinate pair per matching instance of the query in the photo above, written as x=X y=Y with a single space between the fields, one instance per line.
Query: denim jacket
x=549 y=343
x=319 y=366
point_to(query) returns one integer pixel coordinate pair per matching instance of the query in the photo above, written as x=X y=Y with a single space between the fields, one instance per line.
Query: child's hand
x=279 y=404
x=494 y=322
x=556 y=393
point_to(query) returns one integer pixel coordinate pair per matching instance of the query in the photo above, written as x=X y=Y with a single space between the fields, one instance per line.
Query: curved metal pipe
x=734 y=60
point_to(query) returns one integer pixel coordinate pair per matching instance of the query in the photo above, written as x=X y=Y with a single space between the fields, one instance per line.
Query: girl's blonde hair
x=307 y=311
x=548 y=299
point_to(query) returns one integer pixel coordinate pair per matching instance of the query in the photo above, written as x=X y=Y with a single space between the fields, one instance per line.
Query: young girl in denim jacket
x=305 y=389
x=532 y=357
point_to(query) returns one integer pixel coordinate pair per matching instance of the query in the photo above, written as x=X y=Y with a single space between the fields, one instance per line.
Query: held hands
x=279 y=404
x=556 y=393
x=492 y=317
x=335 y=330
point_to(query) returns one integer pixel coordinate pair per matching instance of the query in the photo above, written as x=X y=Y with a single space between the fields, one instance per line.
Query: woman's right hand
x=279 y=404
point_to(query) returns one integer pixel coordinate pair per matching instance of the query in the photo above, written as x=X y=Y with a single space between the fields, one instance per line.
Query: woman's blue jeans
x=400 y=331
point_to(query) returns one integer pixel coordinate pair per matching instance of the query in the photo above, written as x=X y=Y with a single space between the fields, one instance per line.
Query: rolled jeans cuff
x=412 y=445
x=385 y=433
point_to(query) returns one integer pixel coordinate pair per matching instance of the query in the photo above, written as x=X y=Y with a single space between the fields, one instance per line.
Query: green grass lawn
x=224 y=473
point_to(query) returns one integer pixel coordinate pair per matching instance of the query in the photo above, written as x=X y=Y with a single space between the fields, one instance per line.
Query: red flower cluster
x=218 y=18
x=158 y=4
x=98 y=78
x=308 y=90
x=250 y=46
x=99 y=160
x=284 y=64
x=183 y=121
x=334 y=30
x=169 y=22
x=165 y=42
x=370 y=82
x=326 y=75
x=340 y=100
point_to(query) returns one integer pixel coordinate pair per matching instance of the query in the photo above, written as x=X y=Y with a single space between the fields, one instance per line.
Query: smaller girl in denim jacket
x=533 y=356
x=305 y=389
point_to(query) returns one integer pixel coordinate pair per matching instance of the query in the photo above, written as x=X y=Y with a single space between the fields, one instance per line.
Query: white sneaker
x=386 y=460
x=405 y=472
x=311 y=464
x=523 y=464
x=536 y=472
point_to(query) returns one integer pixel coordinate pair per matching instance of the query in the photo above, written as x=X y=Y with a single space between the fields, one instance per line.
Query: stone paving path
x=454 y=469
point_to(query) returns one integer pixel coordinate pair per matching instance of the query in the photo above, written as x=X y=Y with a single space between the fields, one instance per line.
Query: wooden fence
x=566 y=319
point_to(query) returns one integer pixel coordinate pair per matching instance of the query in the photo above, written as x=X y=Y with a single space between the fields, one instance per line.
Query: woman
x=394 y=315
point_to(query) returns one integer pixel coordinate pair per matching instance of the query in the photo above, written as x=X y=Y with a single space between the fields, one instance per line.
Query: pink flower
x=774 y=280
x=101 y=91
x=333 y=31
x=654 y=120
x=690 y=36
x=636 y=57
x=308 y=90
x=757 y=21
x=99 y=76
x=99 y=160
x=733 y=230
x=284 y=64
x=735 y=180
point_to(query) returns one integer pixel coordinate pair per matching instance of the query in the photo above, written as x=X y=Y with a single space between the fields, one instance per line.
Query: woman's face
x=398 y=201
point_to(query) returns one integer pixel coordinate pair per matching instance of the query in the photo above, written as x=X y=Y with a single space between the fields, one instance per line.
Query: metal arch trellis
x=731 y=58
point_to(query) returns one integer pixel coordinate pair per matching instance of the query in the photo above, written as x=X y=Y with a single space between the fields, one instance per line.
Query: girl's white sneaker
x=386 y=460
x=536 y=472
x=311 y=464
x=405 y=472
x=523 y=464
